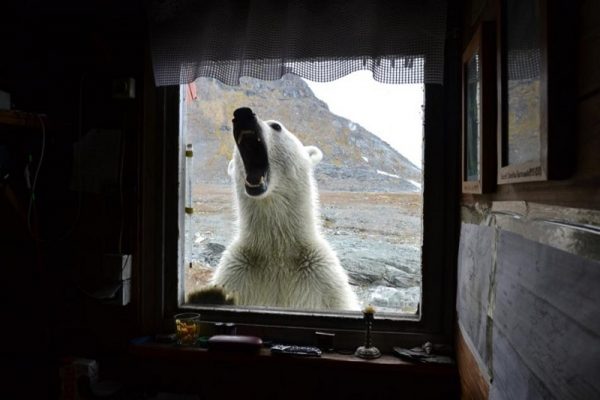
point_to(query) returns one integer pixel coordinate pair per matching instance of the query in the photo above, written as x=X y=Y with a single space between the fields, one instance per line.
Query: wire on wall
x=77 y=163
x=36 y=176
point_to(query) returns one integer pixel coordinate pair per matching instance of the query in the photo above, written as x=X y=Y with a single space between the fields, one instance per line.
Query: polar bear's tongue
x=250 y=142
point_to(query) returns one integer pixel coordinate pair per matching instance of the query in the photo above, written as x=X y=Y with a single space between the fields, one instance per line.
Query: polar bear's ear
x=314 y=154
x=230 y=169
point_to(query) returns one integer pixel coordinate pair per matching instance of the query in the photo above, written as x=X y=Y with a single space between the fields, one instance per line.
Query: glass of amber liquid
x=187 y=328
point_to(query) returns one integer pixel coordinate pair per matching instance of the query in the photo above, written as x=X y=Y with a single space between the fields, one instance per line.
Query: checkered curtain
x=400 y=41
x=523 y=39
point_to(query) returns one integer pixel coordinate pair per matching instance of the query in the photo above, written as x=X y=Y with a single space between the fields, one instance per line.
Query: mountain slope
x=354 y=158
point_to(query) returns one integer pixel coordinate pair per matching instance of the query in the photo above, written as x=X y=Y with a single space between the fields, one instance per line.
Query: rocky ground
x=377 y=237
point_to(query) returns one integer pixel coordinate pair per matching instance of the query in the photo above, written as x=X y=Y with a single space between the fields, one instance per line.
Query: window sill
x=174 y=353
x=162 y=367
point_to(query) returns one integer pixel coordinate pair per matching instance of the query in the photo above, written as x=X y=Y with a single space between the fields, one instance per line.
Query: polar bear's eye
x=275 y=126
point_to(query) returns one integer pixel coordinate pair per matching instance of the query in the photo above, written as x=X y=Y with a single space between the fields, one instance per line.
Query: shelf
x=19 y=119
x=156 y=367
x=180 y=354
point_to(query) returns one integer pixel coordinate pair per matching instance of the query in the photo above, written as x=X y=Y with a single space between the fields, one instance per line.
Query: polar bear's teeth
x=245 y=132
x=261 y=183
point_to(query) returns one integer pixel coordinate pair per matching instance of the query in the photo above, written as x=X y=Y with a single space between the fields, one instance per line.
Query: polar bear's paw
x=213 y=295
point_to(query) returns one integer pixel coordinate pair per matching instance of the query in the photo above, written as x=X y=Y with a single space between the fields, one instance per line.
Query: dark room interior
x=90 y=213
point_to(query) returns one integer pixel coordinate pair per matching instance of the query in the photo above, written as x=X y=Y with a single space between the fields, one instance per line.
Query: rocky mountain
x=354 y=159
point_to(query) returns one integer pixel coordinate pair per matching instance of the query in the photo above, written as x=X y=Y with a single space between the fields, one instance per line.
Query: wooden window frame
x=160 y=222
x=557 y=96
x=482 y=43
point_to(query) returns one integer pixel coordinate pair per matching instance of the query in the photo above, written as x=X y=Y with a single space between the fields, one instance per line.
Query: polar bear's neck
x=280 y=221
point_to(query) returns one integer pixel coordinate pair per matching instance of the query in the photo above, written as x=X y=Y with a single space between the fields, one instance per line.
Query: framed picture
x=536 y=90
x=479 y=111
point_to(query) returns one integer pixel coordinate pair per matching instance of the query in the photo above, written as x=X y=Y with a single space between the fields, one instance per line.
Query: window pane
x=523 y=53
x=369 y=180
x=473 y=153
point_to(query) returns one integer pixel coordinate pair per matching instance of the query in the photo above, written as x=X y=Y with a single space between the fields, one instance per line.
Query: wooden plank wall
x=546 y=322
x=474 y=385
x=475 y=269
x=538 y=306
x=528 y=319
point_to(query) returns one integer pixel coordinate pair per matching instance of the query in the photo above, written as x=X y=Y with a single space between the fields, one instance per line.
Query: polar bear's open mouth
x=252 y=147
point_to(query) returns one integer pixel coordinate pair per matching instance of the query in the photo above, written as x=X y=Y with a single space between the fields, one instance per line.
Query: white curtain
x=400 y=41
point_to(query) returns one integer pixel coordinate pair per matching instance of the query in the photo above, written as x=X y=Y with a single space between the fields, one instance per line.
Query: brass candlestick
x=368 y=351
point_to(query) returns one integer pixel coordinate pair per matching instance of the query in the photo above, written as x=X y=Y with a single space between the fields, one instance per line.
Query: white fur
x=279 y=257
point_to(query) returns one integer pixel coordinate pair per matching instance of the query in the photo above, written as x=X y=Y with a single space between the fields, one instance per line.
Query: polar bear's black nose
x=243 y=113
x=244 y=119
x=244 y=124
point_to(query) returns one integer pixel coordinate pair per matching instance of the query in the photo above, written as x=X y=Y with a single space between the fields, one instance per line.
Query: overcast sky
x=392 y=112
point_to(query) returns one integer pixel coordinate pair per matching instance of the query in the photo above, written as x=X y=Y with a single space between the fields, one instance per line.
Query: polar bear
x=278 y=257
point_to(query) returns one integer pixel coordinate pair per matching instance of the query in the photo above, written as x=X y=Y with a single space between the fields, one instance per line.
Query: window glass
x=369 y=179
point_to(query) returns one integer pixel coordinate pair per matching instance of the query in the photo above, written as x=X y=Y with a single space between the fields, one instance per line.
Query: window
x=162 y=222
x=163 y=291
x=223 y=40
x=369 y=181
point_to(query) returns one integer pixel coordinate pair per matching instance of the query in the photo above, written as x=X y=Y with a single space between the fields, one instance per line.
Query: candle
x=368 y=351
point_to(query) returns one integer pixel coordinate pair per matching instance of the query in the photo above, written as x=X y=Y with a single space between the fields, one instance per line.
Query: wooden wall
x=59 y=59
x=529 y=259
x=527 y=293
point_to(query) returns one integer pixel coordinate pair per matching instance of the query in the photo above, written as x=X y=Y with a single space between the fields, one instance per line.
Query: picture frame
x=536 y=93
x=479 y=111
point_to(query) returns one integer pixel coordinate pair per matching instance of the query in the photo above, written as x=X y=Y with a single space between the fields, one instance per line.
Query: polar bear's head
x=269 y=158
